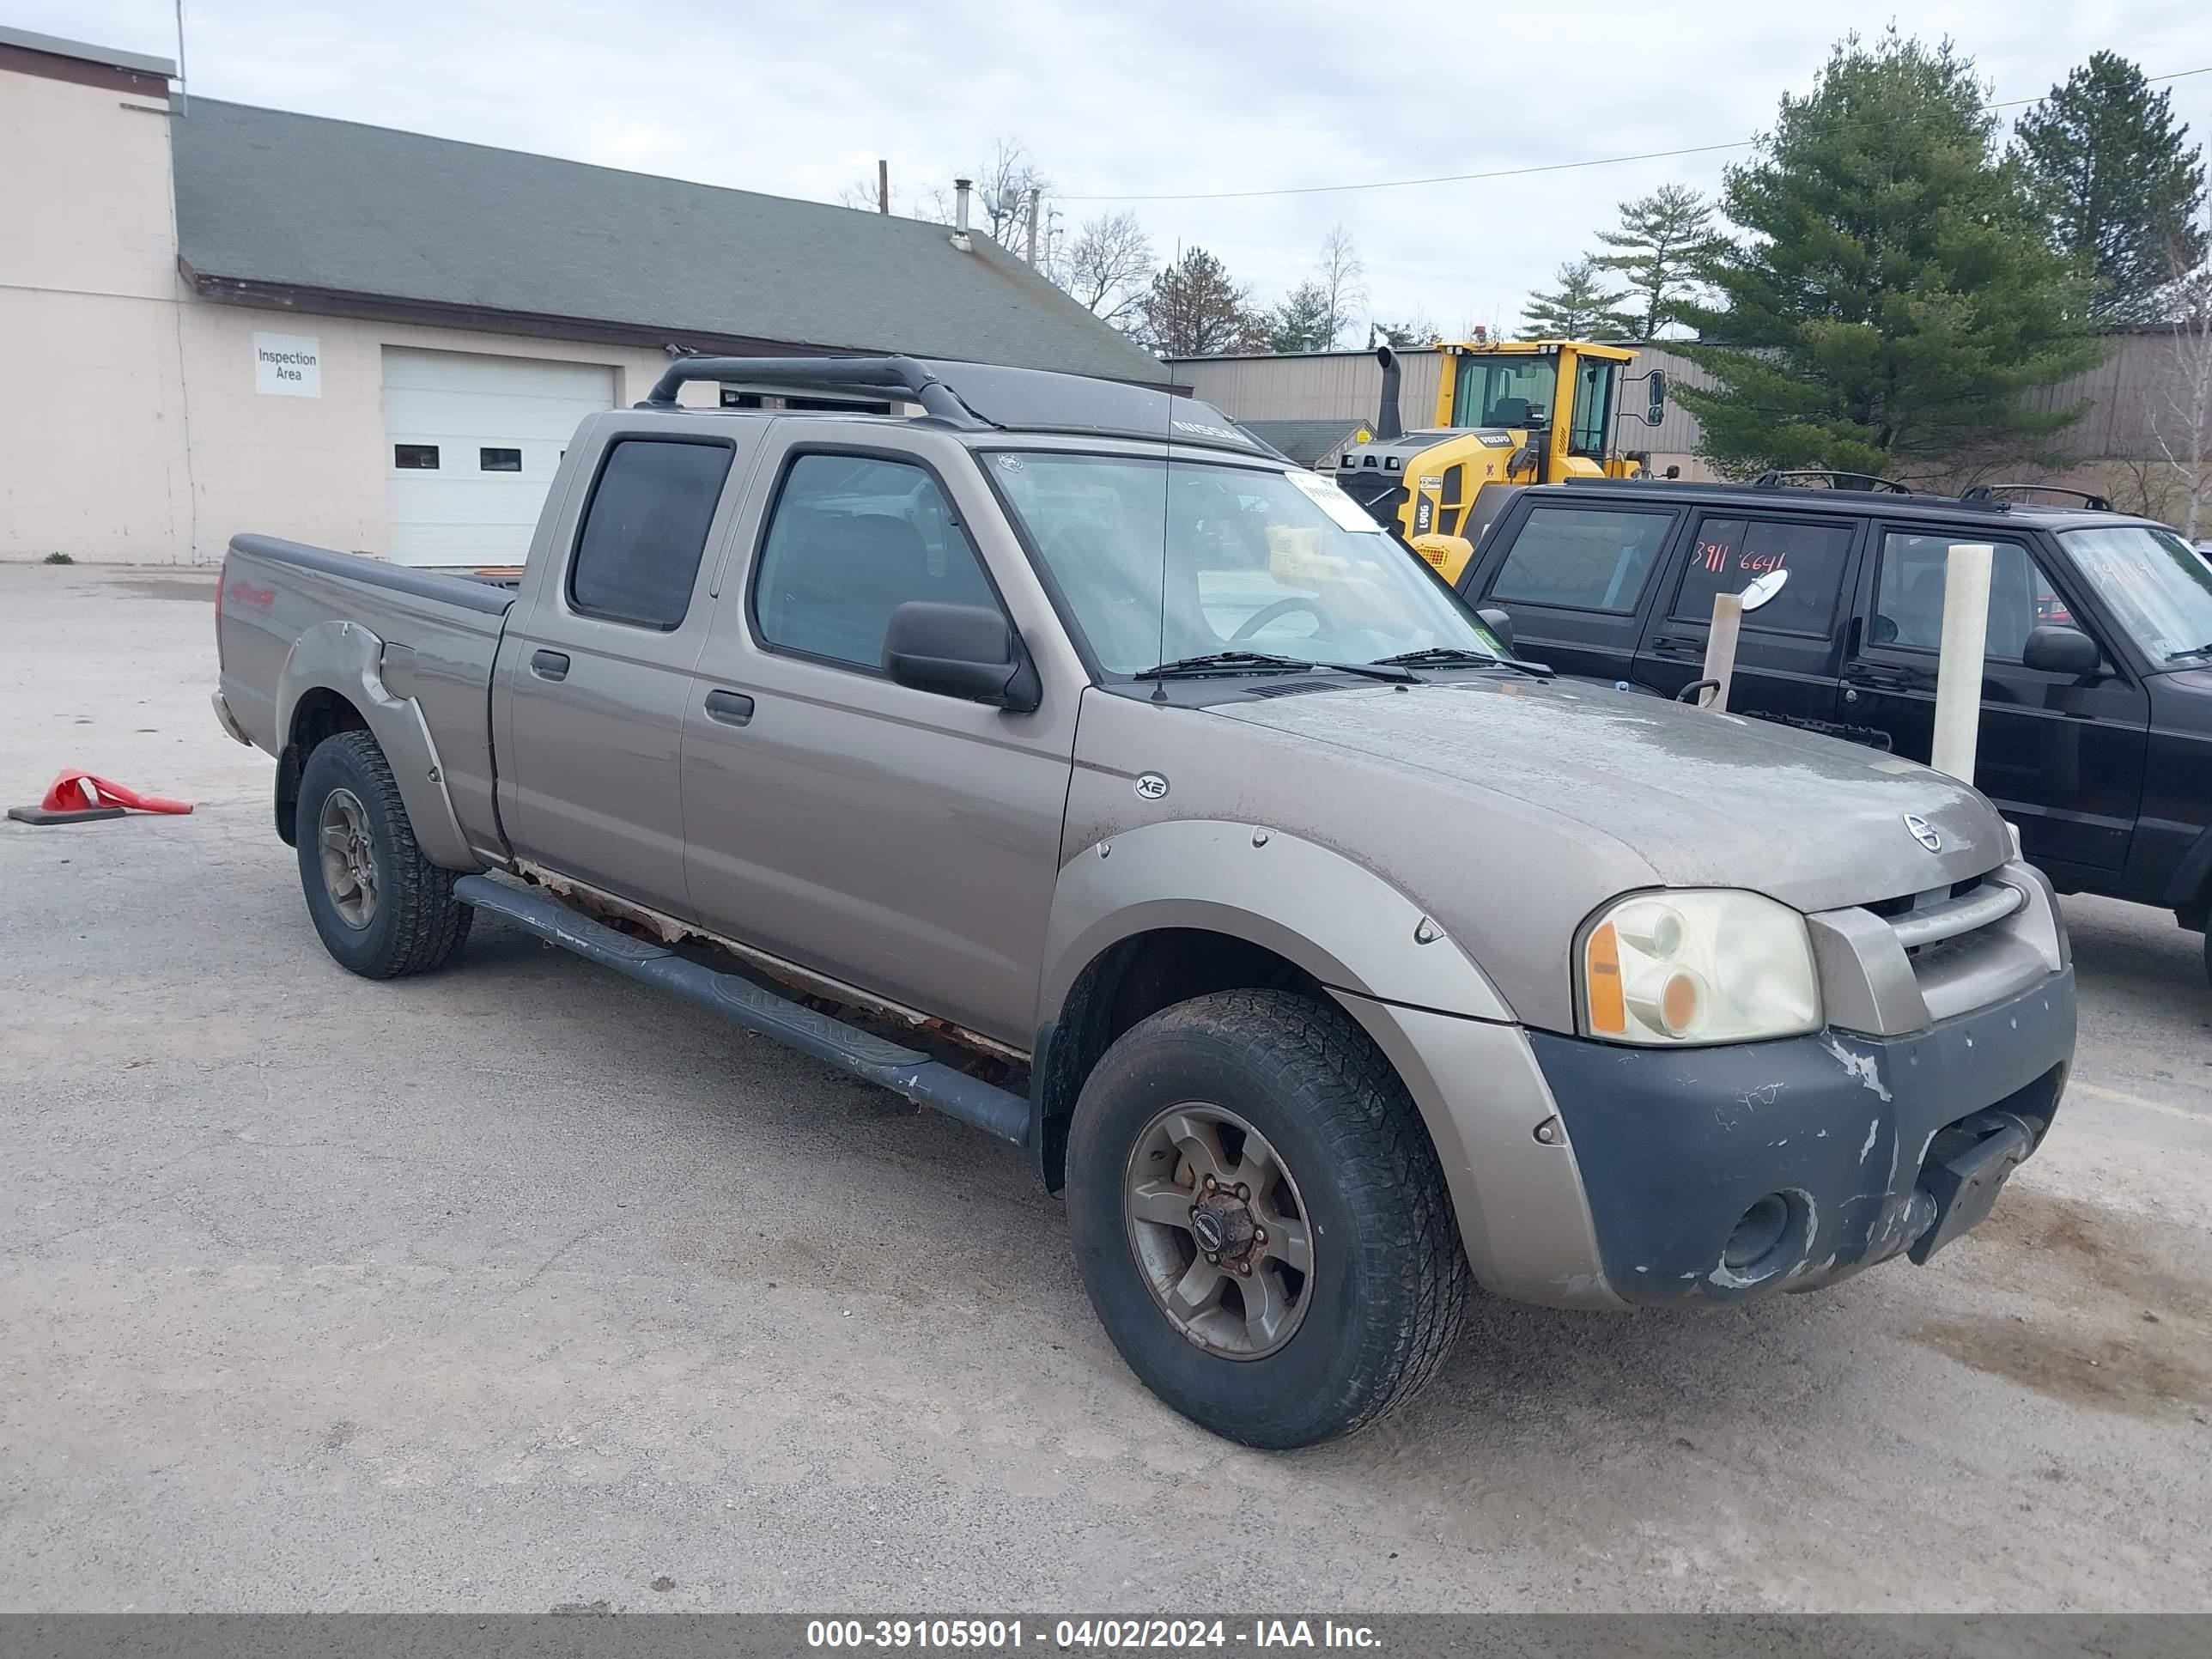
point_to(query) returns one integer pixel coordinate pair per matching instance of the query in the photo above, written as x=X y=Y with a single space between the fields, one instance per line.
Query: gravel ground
x=519 y=1287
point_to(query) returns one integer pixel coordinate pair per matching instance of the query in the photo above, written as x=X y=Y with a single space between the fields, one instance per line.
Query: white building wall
x=130 y=425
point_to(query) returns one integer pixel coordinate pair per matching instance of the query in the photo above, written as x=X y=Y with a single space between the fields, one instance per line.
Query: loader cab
x=1524 y=386
x=1507 y=412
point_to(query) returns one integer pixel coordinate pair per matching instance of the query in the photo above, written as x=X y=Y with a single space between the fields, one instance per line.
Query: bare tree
x=2181 y=410
x=1341 y=289
x=1108 y=267
x=861 y=193
x=1002 y=193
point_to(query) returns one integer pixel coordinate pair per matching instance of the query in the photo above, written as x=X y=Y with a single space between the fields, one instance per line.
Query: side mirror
x=960 y=651
x=2057 y=650
x=1655 y=391
x=1500 y=622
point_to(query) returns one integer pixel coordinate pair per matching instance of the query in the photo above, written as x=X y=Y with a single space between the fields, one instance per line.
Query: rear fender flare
x=1333 y=917
x=345 y=658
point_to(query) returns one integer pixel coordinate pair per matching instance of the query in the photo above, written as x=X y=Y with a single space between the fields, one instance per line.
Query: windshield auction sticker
x=1347 y=513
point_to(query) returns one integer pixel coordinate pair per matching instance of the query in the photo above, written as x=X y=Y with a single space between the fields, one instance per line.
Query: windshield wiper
x=1266 y=662
x=1223 y=662
x=2193 y=651
x=1439 y=656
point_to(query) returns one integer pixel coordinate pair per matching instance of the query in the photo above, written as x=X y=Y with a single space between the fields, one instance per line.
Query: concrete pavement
x=518 y=1286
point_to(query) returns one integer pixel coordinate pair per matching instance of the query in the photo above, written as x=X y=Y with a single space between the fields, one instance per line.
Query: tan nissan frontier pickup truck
x=1059 y=755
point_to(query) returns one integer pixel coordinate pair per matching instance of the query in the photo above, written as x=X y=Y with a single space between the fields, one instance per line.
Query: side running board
x=925 y=1081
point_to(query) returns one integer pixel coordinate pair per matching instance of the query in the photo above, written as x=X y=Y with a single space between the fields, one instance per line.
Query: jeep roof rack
x=1867 y=481
x=1986 y=493
x=986 y=396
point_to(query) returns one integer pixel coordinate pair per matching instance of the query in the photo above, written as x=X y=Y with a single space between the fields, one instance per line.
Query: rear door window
x=1582 y=558
x=637 y=556
x=1730 y=552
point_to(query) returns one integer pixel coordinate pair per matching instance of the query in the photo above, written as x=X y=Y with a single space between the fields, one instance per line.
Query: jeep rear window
x=1582 y=558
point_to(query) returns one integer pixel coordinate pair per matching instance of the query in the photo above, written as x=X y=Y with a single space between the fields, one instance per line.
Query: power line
x=1511 y=173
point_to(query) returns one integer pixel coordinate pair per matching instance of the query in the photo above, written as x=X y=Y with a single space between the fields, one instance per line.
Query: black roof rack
x=986 y=396
x=819 y=374
x=1987 y=492
x=1867 y=481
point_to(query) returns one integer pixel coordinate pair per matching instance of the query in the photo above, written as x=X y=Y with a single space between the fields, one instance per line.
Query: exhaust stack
x=960 y=189
x=1387 y=423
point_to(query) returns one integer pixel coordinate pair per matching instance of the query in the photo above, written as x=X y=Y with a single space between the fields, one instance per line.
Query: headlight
x=1694 y=966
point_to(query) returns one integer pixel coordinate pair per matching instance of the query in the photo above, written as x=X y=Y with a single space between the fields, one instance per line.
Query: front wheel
x=381 y=908
x=1261 y=1220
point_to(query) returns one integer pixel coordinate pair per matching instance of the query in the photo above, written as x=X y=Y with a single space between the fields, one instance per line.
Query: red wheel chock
x=79 y=797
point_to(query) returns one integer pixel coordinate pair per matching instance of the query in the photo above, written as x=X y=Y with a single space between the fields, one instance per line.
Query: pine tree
x=1582 y=307
x=1194 y=310
x=1301 y=323
x=2111 y=169
x=1895 y=293
x=1667 y=243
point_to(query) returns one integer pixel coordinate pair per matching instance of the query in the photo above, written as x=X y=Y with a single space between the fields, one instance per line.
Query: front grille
x=1928 y=926
x=1965 y=945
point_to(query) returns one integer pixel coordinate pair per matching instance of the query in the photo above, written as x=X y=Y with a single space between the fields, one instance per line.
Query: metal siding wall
x=1326 y=385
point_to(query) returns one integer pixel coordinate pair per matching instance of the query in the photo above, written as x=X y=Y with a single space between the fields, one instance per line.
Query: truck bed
x=283 y=605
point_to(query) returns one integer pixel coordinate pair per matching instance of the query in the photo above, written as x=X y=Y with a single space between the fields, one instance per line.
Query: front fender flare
x=1336 y=919
x=345 y=658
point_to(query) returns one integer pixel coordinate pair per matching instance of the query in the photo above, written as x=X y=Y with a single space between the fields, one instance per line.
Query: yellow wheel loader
x=1507 y=412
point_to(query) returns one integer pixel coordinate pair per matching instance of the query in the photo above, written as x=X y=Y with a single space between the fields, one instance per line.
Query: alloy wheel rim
x=1220 y=1233
x=348 y=857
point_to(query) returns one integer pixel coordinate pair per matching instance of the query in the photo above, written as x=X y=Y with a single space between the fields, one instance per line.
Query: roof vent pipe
x=960 y=189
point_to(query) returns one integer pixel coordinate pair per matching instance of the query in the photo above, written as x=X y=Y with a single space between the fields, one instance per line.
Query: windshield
x=1253 y=561
x=1514 y=391
x=2155 y=585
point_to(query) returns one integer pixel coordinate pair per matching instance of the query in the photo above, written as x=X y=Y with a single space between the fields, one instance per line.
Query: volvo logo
x=1923 y=832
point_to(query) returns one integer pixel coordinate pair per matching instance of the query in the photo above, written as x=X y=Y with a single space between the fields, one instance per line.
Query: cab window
x=1582 y=559
x=1728 y=554
x=1515 y=391
x=1908 y=605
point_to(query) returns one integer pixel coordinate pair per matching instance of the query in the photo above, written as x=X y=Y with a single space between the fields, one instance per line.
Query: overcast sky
x=1136 y=98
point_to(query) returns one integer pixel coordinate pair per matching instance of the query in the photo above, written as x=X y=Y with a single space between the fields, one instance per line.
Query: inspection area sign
x=288 y=365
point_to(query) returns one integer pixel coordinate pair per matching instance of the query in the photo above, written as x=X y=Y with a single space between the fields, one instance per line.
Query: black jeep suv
x=2096 y=736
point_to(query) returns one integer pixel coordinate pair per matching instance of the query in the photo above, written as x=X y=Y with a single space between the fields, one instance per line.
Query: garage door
x=470 y=445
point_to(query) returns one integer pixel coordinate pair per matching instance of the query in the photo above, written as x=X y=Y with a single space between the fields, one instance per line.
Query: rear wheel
x=383 y=909
x=1261 y=1220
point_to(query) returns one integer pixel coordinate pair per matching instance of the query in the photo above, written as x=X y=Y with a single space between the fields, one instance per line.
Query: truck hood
x=1703 y=799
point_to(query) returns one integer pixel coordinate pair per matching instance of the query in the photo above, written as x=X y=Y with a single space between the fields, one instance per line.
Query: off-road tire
x=1389 y=1286
x=417 y=923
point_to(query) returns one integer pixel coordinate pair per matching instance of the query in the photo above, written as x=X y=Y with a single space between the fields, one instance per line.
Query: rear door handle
x=730 y=708
x=1877 y=679
x=550 y=664
x=1679 y=648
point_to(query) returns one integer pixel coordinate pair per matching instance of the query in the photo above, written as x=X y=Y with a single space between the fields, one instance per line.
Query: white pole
x=1720 y=647
x=1959 y=670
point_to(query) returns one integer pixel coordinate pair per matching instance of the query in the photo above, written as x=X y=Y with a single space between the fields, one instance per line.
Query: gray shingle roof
x=1305 y=441
x=264 y=196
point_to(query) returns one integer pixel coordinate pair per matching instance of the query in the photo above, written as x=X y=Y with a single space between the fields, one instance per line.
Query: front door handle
x=550 y=664
x=730 y=708
x=1679 y=648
